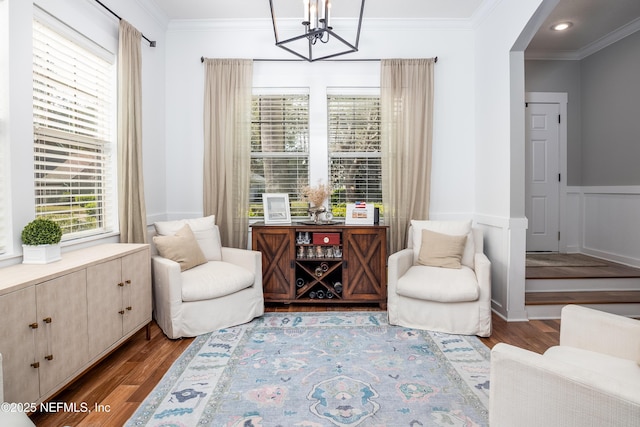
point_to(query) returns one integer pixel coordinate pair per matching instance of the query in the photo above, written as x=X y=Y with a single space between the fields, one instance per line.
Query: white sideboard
x=58 y=319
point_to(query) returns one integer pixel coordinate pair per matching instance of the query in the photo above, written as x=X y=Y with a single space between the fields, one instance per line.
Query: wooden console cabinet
x=322 y=263
x=58 y=319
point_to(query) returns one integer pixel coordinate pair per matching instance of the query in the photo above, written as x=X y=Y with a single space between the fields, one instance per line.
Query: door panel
x=542 y=177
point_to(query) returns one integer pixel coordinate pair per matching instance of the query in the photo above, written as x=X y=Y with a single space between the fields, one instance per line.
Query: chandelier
x=315 y=38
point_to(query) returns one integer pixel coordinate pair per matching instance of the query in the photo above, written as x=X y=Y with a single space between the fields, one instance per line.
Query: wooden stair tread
x=582 y=297
x=607 y=269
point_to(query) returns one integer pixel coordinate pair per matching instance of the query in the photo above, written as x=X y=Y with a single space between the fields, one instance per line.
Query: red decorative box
x=326 y=238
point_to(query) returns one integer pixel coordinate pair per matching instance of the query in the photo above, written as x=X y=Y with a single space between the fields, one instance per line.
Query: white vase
x=40 y=254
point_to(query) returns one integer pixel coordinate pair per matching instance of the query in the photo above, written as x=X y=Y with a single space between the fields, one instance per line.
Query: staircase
x=593 y=282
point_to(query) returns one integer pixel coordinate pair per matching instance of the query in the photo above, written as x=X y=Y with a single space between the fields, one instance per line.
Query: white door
x=542 y=172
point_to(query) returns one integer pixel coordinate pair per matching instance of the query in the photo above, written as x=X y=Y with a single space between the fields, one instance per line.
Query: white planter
x=40 y=254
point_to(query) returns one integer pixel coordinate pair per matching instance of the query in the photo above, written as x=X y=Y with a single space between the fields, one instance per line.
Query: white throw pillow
x=454 y=228
x=205 y=230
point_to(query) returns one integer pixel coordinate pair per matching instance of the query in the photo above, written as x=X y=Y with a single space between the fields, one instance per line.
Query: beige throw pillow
x=182 y=248
x=204 y=229
x=441 y=250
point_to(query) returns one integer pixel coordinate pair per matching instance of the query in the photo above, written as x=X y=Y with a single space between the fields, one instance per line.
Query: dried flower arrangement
x=316 y=195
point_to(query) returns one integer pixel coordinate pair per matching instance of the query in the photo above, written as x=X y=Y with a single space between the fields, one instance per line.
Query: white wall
x=451 y=42
x=477 y=137
x=499 y=178
x=90 y=19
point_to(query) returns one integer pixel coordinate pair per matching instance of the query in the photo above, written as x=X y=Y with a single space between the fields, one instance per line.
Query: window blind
x=4 y=200
x=73 y=141
x=279 y=149
x=354 y=149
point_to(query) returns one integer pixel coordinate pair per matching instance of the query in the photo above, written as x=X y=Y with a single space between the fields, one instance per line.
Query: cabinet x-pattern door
x=277 y=255
x=365 y=271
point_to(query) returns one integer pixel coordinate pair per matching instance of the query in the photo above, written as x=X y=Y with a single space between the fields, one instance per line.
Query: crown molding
x=151 y=8
x=611 y=38
x=590 y=49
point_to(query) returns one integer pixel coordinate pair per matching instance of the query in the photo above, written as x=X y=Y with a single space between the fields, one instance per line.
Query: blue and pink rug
x=341 y=369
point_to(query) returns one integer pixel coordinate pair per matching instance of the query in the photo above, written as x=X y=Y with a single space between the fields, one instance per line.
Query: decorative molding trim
x=590 y=49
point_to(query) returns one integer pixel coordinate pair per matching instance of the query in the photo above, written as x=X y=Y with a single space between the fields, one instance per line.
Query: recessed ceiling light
x=561 y=26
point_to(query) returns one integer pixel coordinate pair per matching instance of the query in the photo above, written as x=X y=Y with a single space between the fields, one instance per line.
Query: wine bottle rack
x=322 y=263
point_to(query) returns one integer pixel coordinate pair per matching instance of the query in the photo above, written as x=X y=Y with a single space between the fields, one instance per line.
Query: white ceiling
x=594 y=21
x=250 y=9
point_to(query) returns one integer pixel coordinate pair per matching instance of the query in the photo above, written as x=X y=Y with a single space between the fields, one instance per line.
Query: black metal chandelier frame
x=322 y=31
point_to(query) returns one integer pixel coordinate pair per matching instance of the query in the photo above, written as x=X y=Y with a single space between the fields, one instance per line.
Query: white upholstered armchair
x=592 y=379
x=442 y=281
x=203 y=288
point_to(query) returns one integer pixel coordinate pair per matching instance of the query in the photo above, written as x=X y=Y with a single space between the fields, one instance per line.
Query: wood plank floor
x=607 y=270
x=119 y=383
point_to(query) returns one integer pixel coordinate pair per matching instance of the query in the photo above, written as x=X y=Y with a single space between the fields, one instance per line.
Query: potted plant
x=41 y=241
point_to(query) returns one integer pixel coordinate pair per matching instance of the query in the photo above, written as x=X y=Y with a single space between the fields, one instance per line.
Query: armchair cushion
x=454 y=228
x=623 y=370
x=441 y=250
x=445 y=284
x=213 y=280
x=204 y=230
x=181 y=248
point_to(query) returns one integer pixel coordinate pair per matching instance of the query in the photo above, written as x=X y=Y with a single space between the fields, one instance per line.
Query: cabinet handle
x=128 y=282
x=121 y=284
x=35 y=365
x=49 y=357
x=129 y=308
x=121 y=312
x=33 y=325
x=47 y=320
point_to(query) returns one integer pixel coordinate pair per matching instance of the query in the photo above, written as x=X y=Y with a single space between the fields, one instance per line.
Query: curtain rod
x=152 y=43
x=325 y=60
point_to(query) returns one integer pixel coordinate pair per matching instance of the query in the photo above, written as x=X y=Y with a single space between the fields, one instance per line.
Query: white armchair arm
x=251 y=260
x=398 y=264
x=482 y=267
x=598 y=331
x=531 y=390
x=167 y=292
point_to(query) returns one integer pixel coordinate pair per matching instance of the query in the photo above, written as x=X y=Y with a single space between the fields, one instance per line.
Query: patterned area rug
x=323 y=369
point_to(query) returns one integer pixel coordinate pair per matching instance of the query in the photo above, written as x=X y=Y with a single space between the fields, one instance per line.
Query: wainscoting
x=603 y=222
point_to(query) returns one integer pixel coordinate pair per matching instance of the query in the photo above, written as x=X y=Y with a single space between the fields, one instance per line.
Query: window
x=74 y=145
x=4 y=138
x=279 y=149
x=354 y=150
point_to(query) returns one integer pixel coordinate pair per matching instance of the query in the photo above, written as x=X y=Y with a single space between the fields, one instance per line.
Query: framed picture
x=359 y=213
x=276 y=208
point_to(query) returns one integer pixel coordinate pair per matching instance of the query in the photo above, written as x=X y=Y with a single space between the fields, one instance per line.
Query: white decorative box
x=40 y=254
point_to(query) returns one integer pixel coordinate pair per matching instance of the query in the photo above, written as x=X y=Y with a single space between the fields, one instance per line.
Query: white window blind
x=73 y=139
x=354 y=150
x=279 y=149
x=4 y=175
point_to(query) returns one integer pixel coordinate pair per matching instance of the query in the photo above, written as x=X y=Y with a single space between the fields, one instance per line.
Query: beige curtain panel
x=406 y=98
x=227 y=146
x=131 y=205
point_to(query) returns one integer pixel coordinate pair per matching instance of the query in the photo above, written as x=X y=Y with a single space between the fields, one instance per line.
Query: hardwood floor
x=605 y=269
x=118 y=384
